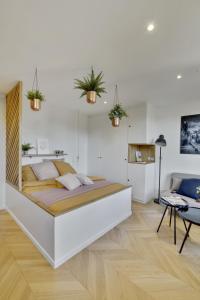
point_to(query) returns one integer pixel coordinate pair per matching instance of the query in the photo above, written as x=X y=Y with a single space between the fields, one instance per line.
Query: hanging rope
x=116 y=97
x=35 y=81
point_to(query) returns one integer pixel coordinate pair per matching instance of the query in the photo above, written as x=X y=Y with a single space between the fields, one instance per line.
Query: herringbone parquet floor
x=131 y=262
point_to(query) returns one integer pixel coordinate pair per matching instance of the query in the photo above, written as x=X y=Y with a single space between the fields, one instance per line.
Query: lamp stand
x=160 y=158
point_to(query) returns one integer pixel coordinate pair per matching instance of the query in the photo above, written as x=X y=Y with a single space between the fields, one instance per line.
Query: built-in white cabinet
x=141 y=177
x=108 y=152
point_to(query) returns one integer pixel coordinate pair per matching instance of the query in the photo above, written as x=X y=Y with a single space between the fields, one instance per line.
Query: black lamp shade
x=161 y=141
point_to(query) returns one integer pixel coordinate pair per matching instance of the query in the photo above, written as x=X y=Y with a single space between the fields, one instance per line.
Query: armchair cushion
x=188 y=187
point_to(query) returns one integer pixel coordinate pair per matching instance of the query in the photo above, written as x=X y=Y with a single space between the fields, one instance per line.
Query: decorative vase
x=91 y=97
x=35 y=104
x=116 y=122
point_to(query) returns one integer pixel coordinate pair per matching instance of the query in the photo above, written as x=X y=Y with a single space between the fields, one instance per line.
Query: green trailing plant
x=35 y=94
x=117 y=112
x=26 y=147
x=91 y=83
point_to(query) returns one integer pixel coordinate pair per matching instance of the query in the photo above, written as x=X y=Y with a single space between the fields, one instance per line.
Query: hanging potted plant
x=26 y=148
x=92 y=86
x=117 y=112
x=34 y=95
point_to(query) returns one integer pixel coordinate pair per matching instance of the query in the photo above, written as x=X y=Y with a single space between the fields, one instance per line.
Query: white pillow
x=45 y=170
x=70 y=181
x=84 y=179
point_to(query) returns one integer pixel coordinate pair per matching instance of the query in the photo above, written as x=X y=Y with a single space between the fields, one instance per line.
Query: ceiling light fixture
x=150 y=27
x=105 y=102
x=179 y=76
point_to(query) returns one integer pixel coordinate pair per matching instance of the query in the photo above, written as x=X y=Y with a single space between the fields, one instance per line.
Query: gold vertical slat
x=13 y=136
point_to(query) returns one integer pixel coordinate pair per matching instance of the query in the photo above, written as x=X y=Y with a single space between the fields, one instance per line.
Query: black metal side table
x=173 y=211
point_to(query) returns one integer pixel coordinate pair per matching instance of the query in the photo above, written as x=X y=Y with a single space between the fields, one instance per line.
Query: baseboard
x=76 y=250
x=31 y=237
x=140 y=201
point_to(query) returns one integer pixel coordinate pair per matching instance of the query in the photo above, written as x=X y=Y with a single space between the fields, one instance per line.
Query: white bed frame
x=61 y=237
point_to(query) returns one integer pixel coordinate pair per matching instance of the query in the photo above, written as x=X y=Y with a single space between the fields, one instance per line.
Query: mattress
x=58 y=200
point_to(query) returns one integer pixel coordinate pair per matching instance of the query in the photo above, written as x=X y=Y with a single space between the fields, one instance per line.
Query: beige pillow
x=176 y=182
x=45 y=170
x=70 y=181
x=63 y=167
x=27 y=173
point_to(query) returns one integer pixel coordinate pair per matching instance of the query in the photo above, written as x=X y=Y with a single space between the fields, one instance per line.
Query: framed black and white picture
x=190 y=134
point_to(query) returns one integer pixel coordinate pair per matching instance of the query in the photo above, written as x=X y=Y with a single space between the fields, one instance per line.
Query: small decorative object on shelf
x=26 y=148
x=141 y=153
x=34 y=95
x=198 y=193
x=59 y=152
x=91 y=86
x=117 y=112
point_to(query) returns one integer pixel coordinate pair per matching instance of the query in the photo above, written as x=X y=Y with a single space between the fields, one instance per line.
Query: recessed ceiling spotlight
x=179 y=76
x=150 y=27
x=105 y=102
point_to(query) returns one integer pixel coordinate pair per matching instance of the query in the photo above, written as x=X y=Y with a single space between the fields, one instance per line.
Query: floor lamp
x=160 y=142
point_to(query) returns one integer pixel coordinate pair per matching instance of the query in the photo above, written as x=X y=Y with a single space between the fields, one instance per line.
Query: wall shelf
x=44 y=155
x=147 y=153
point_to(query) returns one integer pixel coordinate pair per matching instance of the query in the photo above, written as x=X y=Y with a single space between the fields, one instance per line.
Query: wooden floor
x=130 y=262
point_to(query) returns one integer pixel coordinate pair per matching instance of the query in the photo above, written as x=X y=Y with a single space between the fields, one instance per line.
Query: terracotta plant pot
x=91 y=97
x=35 y=104
x=115 y=122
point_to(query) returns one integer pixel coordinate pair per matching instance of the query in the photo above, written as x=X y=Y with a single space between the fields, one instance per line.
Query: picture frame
x=42 y=146
x=190 y=134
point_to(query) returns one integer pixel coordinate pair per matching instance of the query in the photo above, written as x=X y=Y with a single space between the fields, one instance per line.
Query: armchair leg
x=185 y=226
x=185 y=238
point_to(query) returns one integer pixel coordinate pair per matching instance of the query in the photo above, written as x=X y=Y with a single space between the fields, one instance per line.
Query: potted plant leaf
x=116 y=114
x=92 y=86
x=26 y=148
x=35 y=97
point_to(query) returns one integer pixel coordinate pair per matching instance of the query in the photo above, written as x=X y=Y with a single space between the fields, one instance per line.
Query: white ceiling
x=65 y=37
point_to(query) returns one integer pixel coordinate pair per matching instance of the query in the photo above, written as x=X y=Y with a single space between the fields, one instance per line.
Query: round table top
x=165 y=202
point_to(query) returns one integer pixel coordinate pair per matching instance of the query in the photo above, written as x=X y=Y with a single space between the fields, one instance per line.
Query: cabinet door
x=108 y=149
x=94 y=150
x=114 y=151
x=151 y=190
x=136 y=176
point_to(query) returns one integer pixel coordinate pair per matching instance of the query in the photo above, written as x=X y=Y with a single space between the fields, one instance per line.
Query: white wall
x=2 y=151
x=66 y=130
x=167 y=120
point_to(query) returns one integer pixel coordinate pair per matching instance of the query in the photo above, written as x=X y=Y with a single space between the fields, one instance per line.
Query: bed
x=62 y=223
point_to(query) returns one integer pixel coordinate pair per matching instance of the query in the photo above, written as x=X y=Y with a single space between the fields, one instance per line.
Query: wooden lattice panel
x=13 y=135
